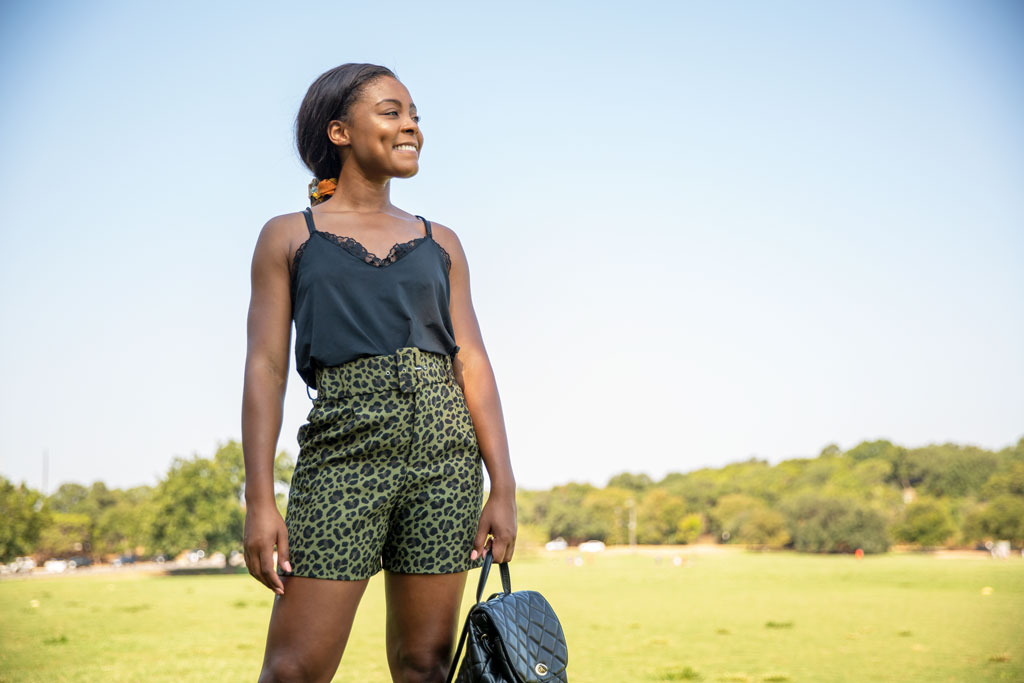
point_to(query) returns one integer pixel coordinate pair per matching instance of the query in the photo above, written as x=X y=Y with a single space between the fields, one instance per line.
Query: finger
x=498 y=550
x=270 y=576
x=478 y=541
x=252 y=563
x=282 y=551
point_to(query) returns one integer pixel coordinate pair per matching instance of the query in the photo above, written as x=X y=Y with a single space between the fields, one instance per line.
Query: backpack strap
x=458 y=652
x=308 y=213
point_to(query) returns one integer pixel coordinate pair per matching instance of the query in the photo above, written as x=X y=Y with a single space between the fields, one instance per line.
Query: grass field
x=715 y=616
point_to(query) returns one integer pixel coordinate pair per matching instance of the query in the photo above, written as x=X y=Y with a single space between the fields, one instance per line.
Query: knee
x=423 y=665
x=285 y=668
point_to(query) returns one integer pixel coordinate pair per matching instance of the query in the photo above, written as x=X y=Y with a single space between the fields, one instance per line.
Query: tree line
x=869 y=497
x=199 y=503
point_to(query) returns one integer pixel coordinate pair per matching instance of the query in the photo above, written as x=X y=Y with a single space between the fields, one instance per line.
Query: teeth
x=409 y=147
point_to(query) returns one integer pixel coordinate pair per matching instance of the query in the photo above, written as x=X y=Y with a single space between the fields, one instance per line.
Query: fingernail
x=472 y=555
x=287 y=566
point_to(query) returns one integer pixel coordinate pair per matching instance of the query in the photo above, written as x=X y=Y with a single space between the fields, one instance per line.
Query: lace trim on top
x=358 y=250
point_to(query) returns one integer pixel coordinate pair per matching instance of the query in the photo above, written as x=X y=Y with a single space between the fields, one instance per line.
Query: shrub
x=835 y=525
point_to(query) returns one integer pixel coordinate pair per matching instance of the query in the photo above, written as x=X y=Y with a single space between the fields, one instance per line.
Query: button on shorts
x=389 y=473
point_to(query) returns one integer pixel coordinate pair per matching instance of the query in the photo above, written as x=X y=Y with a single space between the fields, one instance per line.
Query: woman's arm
x=266 y=377
x=476 y=377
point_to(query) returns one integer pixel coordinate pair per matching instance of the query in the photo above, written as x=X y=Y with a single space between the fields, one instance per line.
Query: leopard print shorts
x=389 y=473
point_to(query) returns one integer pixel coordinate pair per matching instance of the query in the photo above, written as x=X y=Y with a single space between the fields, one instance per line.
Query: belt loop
x=406 y=373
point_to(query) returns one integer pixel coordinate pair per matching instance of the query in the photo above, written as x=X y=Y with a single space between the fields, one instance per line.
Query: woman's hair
x=330 y=97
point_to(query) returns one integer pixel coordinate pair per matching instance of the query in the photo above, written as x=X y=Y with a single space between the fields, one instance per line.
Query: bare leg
x=422 y=624
x=309 y=628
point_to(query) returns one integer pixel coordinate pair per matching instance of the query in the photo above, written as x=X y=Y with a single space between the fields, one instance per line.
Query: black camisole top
x=348 y=303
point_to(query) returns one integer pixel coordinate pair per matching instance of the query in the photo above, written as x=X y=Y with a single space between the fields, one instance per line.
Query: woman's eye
x=414 y=118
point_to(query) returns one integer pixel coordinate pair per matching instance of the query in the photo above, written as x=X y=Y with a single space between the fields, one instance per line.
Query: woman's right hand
x=265 y=528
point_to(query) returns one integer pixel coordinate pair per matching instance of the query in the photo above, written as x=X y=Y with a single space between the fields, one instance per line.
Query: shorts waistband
x=404 y=370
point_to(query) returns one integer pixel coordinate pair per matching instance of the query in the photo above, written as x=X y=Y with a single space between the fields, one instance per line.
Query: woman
x=389 y=469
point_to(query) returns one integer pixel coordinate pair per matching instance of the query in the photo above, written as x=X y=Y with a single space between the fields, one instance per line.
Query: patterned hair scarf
x=320 y=190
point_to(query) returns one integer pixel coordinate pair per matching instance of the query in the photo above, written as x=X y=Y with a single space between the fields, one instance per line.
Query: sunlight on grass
x=722 y=616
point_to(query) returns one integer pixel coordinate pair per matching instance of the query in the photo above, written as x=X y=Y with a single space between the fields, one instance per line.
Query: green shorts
x=389 y=473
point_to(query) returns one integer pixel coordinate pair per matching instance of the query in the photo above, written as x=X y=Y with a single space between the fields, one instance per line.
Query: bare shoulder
x=283 y=226
x=281 y=235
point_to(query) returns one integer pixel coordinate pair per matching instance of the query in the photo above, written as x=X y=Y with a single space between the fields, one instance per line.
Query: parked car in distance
x=55 y=566
x=123 y=560
x=591 y=546
x=556 y=544
x=78 y=561
x=22 y=564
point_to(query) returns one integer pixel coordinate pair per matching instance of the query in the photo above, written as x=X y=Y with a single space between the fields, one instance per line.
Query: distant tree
x=78 y=510
x=70 y=497
x=764 y=527
x=23 y=516
x=658 y=516
x=925 y=523
x=529 y=507
x=880 y=450
x=751 y=477
x=821 y=524
x=830 y=451
x=121 y=528
x=607 y=510
x=816 y=473
x=638 y=483
x=698 y=490
x=1006 y=483
x=952 y=471
x=868 y=480
x=1001 y=519
x=729 y=513
x=565 y=514
x=67 y=534
x=689 y=528
x=196 y=506
x=231 y=462
x=744 y=519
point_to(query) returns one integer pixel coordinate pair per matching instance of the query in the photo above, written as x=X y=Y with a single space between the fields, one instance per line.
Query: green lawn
x=730 y=616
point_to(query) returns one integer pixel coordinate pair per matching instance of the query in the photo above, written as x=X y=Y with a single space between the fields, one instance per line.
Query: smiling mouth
x=406 y=148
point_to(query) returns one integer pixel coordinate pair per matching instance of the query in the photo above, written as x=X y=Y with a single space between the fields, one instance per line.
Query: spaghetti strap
x=308 y=213
x=427 y=223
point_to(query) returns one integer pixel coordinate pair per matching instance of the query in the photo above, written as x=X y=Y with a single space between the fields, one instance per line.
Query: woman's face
x=382 y=136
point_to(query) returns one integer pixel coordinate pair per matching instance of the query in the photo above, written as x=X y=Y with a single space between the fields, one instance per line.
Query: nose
x=410 y=125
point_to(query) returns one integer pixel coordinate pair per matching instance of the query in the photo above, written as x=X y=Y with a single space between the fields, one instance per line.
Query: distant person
x=389 y=473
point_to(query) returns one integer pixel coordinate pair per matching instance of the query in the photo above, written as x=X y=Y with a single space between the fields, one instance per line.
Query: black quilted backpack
x=510 y=637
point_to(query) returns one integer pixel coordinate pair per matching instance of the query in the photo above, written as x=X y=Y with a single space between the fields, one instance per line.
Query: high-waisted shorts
x=389 y=473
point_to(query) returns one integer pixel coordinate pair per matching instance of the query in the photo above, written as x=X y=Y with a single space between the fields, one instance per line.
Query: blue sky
x=697 y=232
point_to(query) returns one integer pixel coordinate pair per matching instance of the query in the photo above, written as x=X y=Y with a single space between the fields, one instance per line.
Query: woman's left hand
x=497 y=519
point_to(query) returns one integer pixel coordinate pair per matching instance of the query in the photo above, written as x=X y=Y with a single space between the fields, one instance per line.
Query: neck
x=360 y=194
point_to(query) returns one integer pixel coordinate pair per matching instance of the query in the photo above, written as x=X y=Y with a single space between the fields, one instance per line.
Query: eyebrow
x=411 y=105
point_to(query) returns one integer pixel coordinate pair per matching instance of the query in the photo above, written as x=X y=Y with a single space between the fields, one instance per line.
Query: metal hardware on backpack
x=511 y=637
